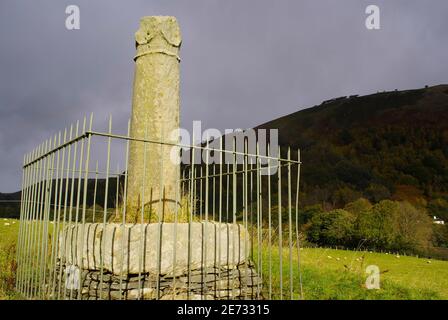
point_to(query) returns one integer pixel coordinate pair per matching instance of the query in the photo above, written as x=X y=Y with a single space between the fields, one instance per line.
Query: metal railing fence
x=68 y=184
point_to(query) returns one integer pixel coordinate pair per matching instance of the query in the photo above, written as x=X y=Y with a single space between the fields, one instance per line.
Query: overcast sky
x=244 y=62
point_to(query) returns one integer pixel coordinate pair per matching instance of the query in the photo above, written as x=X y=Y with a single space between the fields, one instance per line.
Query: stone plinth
x=141 y=248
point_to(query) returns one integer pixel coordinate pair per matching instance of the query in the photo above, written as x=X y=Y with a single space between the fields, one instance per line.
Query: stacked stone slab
x=140 y=248
x=241 y=282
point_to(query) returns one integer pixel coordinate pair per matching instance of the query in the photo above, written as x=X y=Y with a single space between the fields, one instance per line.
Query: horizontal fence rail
x=230 y=231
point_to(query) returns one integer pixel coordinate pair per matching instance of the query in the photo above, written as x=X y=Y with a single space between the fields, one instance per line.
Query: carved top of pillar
x=158 y=34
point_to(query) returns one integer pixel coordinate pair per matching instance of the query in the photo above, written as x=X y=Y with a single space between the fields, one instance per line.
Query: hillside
x=388 y=145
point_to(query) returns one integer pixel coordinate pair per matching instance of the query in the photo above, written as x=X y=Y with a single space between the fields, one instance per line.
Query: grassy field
x=340 y=274
x=326 y=273
x=9 y=229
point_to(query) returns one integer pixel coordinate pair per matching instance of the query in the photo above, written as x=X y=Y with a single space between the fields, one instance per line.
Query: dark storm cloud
x=243 y=62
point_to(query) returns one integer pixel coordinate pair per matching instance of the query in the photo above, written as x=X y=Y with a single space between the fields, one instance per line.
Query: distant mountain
x=10 y=205
x=10 y=202
x=10 y=196
x=383 y=145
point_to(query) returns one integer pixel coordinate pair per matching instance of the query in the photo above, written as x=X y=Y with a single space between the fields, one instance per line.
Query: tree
x=345 y=195
x=352 y=173
x=439 y=208
x=395 y=225
x=335 y=227
x=359 y=206
x=307 y=213
x=440 y=235
x=413 y=228
x=377 y=225
x=377 y=192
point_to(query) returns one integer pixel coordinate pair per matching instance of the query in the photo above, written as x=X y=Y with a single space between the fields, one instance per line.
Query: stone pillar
x=155 y=113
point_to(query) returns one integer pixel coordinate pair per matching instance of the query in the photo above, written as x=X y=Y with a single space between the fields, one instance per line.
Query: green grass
x=340 y=274
x=9 y=229
x=326 y=273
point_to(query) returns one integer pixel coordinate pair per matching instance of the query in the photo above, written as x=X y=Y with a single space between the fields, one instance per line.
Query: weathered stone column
x=155 y=113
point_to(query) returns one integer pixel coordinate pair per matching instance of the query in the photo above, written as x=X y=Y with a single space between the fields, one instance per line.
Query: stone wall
x=241 y=282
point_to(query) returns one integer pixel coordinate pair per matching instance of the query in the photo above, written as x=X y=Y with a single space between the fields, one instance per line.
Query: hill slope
x=384 y=145
x=380 y=146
